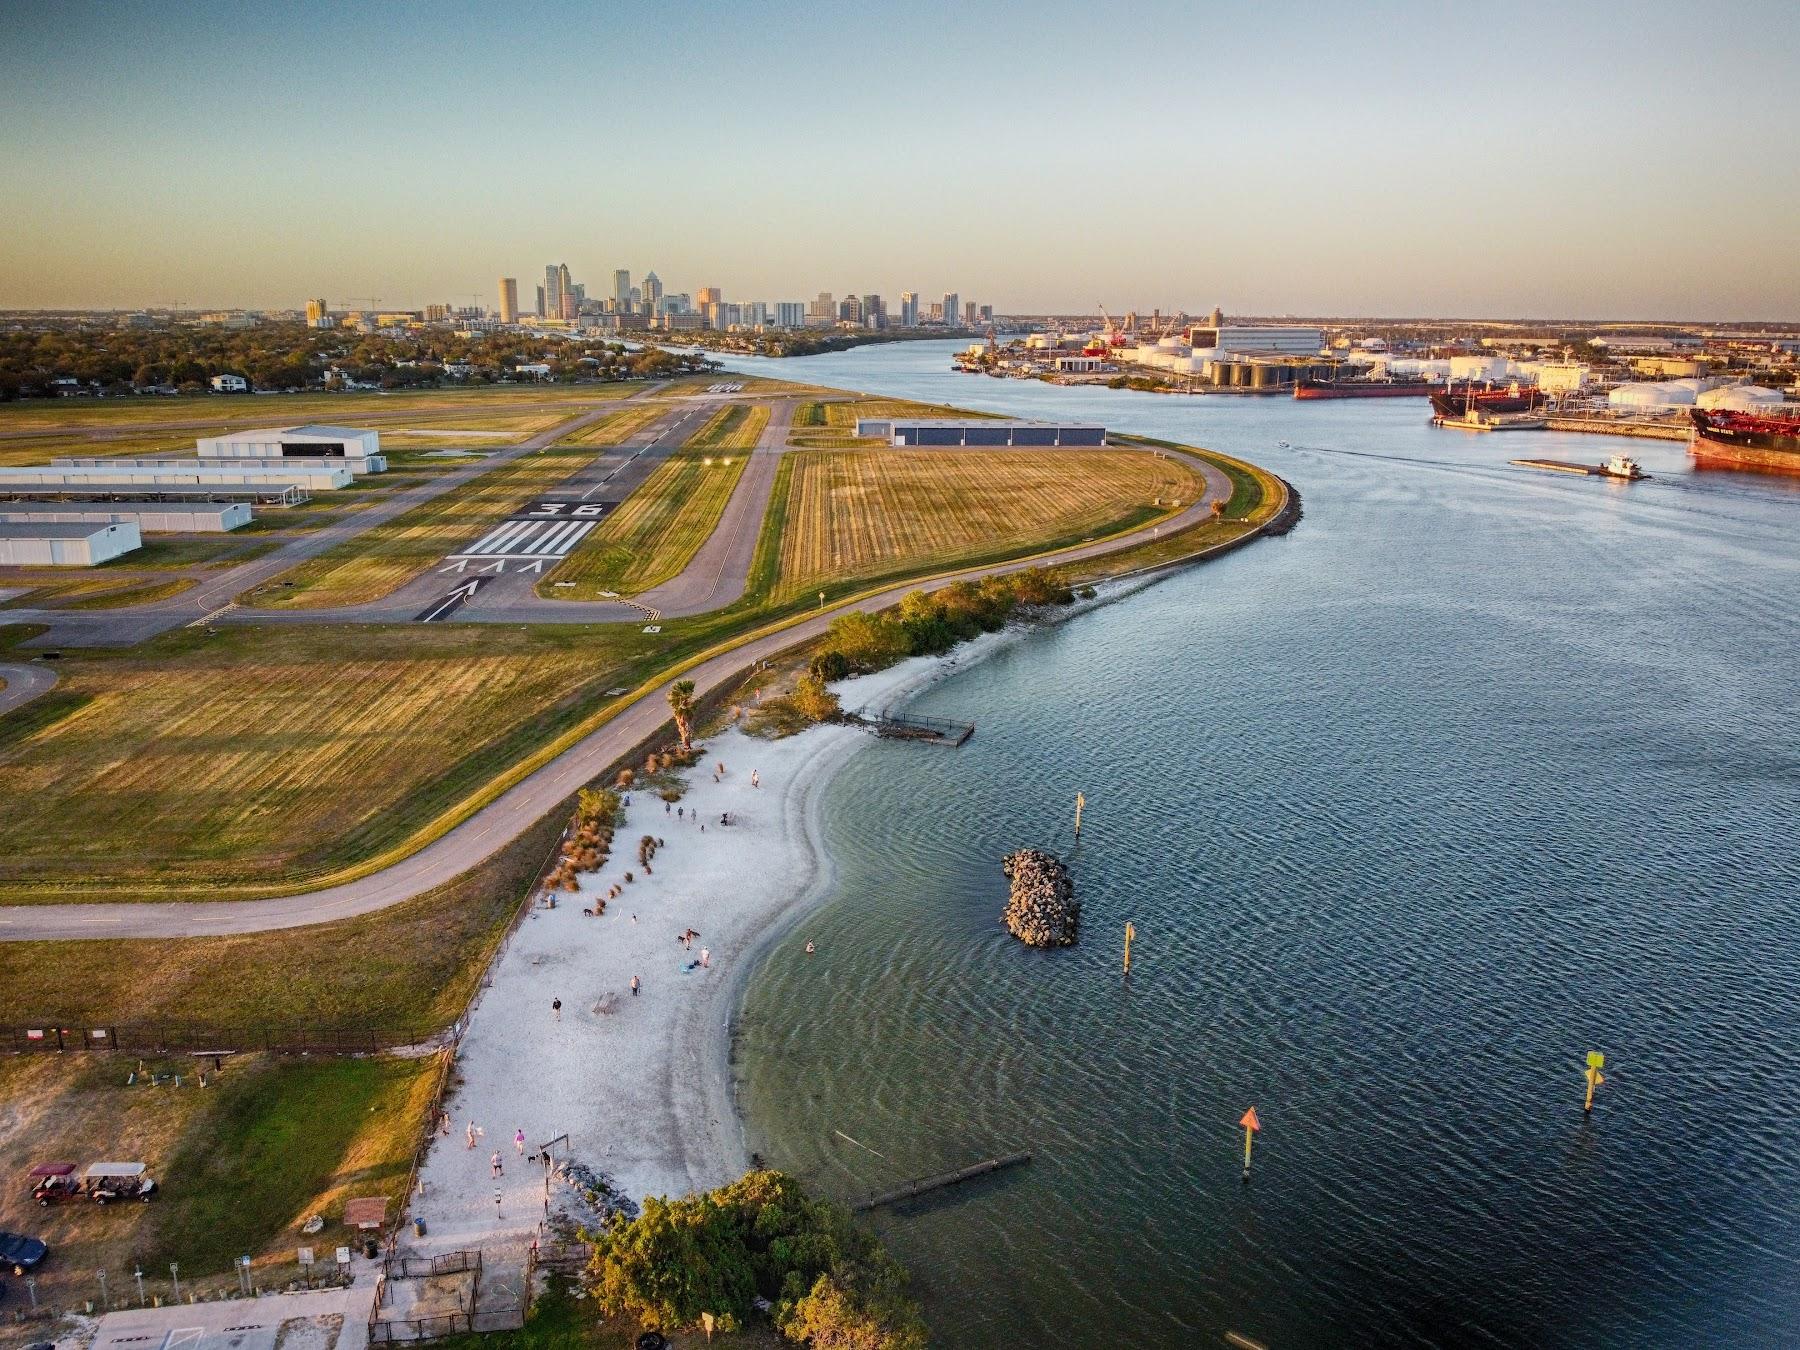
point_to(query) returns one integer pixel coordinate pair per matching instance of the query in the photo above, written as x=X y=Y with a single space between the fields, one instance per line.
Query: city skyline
x=1401 y=161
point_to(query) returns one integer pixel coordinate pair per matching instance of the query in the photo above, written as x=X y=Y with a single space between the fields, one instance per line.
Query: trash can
x=370 y=1248
x=418 y=1227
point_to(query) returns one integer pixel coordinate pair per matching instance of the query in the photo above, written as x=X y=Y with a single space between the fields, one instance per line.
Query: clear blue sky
x=1518 y=159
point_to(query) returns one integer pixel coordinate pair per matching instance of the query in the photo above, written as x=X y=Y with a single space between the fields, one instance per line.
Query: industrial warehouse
x=79 y=545
x=81 y=511
x=951 y=431
x=288 y=443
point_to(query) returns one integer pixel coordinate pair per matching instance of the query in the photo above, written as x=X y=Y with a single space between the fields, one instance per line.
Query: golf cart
x=107 y=1181
x=52 y=1183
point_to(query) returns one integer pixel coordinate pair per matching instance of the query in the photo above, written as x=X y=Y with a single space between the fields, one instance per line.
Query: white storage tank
x=1741 y=398
x=1661 y=394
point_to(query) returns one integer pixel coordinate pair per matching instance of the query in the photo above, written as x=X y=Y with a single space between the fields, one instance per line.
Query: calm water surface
x=1478 y=770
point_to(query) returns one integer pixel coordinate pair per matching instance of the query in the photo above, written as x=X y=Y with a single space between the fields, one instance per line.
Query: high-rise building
x=849 y=310
x=542 y=301
x=509 y=299
x=315 y=313
x=622 y=288
x=874 y=313
x=952 y=307
x=987 y=313
x=935 y=312
x=823 y=308
x=753 y=312
x=909 y=309
x=653 y=293
x=971 y=311
x=708 y=295
x=553 y=290
x=571 y=294
x=790 y=313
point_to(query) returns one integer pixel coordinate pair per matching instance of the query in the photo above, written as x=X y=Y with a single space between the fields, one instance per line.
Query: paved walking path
x=515 y=810
x=318 y=1319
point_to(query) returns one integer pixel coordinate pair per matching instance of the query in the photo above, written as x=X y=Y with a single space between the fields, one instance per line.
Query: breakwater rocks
x=1042 y=910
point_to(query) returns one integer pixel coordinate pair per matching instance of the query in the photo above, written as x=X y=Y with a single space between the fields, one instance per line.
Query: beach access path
x=515 y=810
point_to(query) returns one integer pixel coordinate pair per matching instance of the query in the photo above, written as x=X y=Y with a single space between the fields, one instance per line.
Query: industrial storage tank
x=1661 y=394
x=1741 y=398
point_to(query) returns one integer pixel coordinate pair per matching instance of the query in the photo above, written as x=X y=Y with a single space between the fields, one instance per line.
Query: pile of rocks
x=1042 y=911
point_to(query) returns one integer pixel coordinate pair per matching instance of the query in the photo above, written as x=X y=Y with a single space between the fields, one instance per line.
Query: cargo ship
x=1305 y=388
x=1452 y=402
x=1757 y=442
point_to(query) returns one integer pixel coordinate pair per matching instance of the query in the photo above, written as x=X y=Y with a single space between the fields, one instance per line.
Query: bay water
x=1478 y=770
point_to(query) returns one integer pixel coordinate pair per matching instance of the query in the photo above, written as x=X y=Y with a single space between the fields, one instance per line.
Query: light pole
x=103 y=1301
x=175 y=1275
x=138 y=1273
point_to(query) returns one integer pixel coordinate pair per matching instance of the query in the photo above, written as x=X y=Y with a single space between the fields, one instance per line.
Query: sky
x=1524 y=160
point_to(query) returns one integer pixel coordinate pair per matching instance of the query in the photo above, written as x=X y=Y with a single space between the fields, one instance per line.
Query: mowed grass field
x=242 y=763
x=651 y=536
x=241 y=1162
x=873 y=513
x=384 y=558
x=261 y=410
x=617 y=427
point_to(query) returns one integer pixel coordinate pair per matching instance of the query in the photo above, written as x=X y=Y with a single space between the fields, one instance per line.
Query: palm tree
x=681 y=704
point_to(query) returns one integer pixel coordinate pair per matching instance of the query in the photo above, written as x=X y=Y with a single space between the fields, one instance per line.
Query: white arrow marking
x=537 y=566
x=499 y=566
x=458 y=567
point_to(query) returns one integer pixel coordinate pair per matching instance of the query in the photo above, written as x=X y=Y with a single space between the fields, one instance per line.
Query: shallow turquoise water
x=1476 y=771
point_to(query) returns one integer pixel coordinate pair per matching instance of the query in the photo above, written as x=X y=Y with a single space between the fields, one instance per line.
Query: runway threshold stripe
x=557 y=541
x=517 y=544
x=494 y=536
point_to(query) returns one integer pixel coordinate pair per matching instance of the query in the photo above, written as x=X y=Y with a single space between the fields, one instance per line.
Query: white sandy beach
x=644 y=1091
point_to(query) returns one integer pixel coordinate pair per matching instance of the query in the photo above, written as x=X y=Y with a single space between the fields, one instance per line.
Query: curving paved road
x=528 y=801
x=23 y=683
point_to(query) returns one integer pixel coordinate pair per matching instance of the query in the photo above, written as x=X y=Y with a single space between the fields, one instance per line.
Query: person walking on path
x=756 y=778
x=634 y=986
x=444 y=1123
x=519 y=1140
x=471 y=1134
x=556 y=1008
x=495 y=1162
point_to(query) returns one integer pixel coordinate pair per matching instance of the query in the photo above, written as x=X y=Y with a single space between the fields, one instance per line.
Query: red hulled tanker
x=1757 y=442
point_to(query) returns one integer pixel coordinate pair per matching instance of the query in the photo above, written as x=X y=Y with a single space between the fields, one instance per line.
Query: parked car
x=20 y=1252
x=105 y=1182
x=54 y=1182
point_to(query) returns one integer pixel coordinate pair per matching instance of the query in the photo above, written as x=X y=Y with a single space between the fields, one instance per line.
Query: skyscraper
x=909 y=309
x=790 y=313
x=568 y=298
x=952 y=307
x=315 y=313
x=874 y=313
x=823 y=309
x=622 y=288
x=970 y=310
x=553 y=291
x=509 y=299
x=653 y=293
x=708 y=295
x=543 y=301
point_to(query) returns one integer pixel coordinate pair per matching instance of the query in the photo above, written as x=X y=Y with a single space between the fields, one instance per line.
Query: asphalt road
x=508 y=816
x=23 y=683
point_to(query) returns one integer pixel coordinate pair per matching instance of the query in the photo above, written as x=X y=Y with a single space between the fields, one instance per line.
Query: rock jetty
x=1042 y=911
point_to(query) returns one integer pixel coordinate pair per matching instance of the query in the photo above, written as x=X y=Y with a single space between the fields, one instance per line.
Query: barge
x=1613 y=466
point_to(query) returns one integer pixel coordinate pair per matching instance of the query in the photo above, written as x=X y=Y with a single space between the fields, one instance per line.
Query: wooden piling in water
x=925 y=1185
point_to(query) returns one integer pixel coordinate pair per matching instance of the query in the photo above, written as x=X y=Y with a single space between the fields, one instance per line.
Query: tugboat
x=1621 y=466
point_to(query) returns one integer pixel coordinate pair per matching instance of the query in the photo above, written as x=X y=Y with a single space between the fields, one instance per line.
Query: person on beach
x=444 y=1123
x=665 y=808
x=705 y=958
x=634 y=986
x=494 y=1162
x=721 y=768
x=471 y=1134
x=756 y=778
x=556 y=1008
x=519 y=1141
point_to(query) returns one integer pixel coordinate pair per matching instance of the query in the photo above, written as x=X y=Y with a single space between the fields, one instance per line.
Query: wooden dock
x=911 y=727
x=925 y=1185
